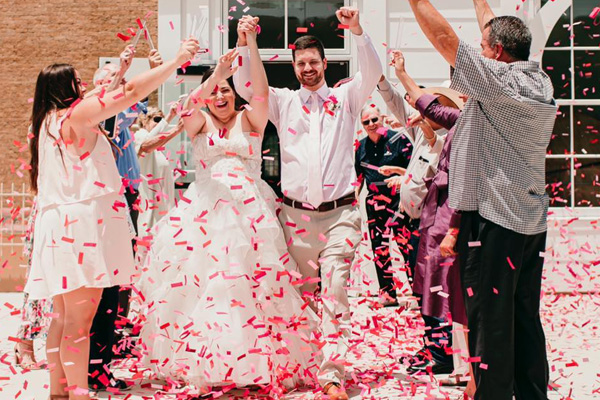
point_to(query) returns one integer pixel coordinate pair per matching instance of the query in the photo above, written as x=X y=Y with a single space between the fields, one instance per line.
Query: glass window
x=573 y=160
x=587 y=184
x=587 y=65
x=561 y=33
x=317 y=18
x=585 y=129
x=558 y=181
x=272 y=22
x=585 y=29
x=560 y=143
x=557 y=64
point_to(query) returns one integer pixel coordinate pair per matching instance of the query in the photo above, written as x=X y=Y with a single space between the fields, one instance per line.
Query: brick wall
x=34 y=34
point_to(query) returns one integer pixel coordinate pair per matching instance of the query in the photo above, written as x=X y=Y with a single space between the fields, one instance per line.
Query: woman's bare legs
x=80 y=308
x=58 y=380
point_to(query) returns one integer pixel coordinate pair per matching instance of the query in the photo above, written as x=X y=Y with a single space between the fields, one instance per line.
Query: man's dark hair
x=308 y=42
x=512 y=33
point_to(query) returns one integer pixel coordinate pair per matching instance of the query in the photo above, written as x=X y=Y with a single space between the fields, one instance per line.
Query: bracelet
x=452 y=231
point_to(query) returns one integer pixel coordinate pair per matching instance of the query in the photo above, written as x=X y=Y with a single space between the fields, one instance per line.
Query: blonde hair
x=144 y=119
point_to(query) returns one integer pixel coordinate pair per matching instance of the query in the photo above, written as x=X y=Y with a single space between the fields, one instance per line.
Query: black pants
x=114 y=303
x=381 y=229
x=502 y=280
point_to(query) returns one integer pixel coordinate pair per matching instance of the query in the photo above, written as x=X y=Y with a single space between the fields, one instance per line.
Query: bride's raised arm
x=258 y=112
x=193 y=118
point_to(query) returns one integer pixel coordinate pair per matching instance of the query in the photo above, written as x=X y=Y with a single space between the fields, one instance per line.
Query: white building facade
x=566 y=41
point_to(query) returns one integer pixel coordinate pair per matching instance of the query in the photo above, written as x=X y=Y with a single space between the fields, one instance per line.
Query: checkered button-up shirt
x=497 y=162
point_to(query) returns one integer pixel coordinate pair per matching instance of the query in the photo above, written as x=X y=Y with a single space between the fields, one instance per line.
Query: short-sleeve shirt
x=127 y=160
x=392 y=149
x=497 y=162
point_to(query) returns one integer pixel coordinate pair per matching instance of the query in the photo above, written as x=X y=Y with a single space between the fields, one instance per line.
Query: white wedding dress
x=220 y=306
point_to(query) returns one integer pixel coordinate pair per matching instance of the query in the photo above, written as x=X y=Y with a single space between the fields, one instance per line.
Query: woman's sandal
x=24 y=357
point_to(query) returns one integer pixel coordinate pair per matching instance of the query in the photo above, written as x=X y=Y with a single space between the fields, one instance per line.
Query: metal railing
x=15 y=207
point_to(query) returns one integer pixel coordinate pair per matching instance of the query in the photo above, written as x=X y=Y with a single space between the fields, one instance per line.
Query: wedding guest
x=320 y=218
x=497 y=183
x=114 y=304
x=81 y=237
x=157 y=187
x=428 y=139
x=35 y=318
x=381 y=147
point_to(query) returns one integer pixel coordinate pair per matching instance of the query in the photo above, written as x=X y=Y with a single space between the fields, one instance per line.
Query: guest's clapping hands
x=416 y=120
x=223 y=69
x=187 y=51
x=350 y=16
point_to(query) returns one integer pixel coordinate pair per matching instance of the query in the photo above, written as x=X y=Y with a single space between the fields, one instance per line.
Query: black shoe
x=419 y=357
x=118 y=384
x=428 y=365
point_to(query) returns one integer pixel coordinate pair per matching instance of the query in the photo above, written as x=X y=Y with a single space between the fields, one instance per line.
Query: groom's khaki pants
x=326 y=241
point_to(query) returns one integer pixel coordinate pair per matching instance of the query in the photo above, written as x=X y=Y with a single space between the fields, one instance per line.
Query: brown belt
x=326 y=206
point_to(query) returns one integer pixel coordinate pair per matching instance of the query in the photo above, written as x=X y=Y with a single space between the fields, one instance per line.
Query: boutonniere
x=331 y=105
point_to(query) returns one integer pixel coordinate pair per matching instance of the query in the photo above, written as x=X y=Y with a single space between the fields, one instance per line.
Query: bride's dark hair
x=239 y=102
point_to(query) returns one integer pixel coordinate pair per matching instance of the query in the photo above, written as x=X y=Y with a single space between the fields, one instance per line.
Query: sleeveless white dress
x=220 y=306
x=81 y=235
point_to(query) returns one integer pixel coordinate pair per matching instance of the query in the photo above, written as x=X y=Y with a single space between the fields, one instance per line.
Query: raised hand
x=223 y=69
x=187 y=51
x=154 y=58
x=126 y=57
x=246 y=25
x=391 y=121
x=350 y=16
x=398 y=61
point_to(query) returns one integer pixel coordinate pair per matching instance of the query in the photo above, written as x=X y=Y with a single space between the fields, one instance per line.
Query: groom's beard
x=312 y=80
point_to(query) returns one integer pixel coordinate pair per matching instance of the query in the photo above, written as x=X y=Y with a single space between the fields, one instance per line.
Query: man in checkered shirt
x=497 y=181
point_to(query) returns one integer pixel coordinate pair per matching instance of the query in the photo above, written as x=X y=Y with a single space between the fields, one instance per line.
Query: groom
x=320 y=218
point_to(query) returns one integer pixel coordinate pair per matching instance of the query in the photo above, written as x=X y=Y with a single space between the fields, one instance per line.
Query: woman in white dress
x=157 y=189
x=221 y=309
x=82 y=241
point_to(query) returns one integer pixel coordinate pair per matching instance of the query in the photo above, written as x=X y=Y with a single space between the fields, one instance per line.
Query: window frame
x=572 y=103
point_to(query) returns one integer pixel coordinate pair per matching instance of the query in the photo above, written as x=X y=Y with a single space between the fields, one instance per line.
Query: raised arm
x=193 y=119
x=91 y=111
x=369 y=64
x=243 y=74
x=258 y=112
x=397 y=105
x=484 y=13
x=411 y=87
x=158 y=140
x=436 y=28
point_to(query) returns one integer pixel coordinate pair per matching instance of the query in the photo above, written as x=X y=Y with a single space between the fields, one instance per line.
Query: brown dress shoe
x=334 y=391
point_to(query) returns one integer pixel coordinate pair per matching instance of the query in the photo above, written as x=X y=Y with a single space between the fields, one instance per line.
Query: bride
x=220 y=306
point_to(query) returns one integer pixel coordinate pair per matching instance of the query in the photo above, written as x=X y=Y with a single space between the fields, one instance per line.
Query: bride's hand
x=223 y=69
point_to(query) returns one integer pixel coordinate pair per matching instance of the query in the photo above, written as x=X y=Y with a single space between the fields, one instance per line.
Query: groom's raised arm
x=369 y=64
x=437 y=29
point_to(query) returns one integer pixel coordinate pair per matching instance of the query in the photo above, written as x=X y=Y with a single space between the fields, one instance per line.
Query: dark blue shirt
x=392 y=149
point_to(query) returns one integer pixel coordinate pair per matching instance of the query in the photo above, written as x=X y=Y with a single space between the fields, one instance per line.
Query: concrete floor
x=571 y=322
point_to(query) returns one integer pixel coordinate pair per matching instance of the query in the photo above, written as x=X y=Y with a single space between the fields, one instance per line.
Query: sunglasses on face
x=370 y=121
x=157 y=119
